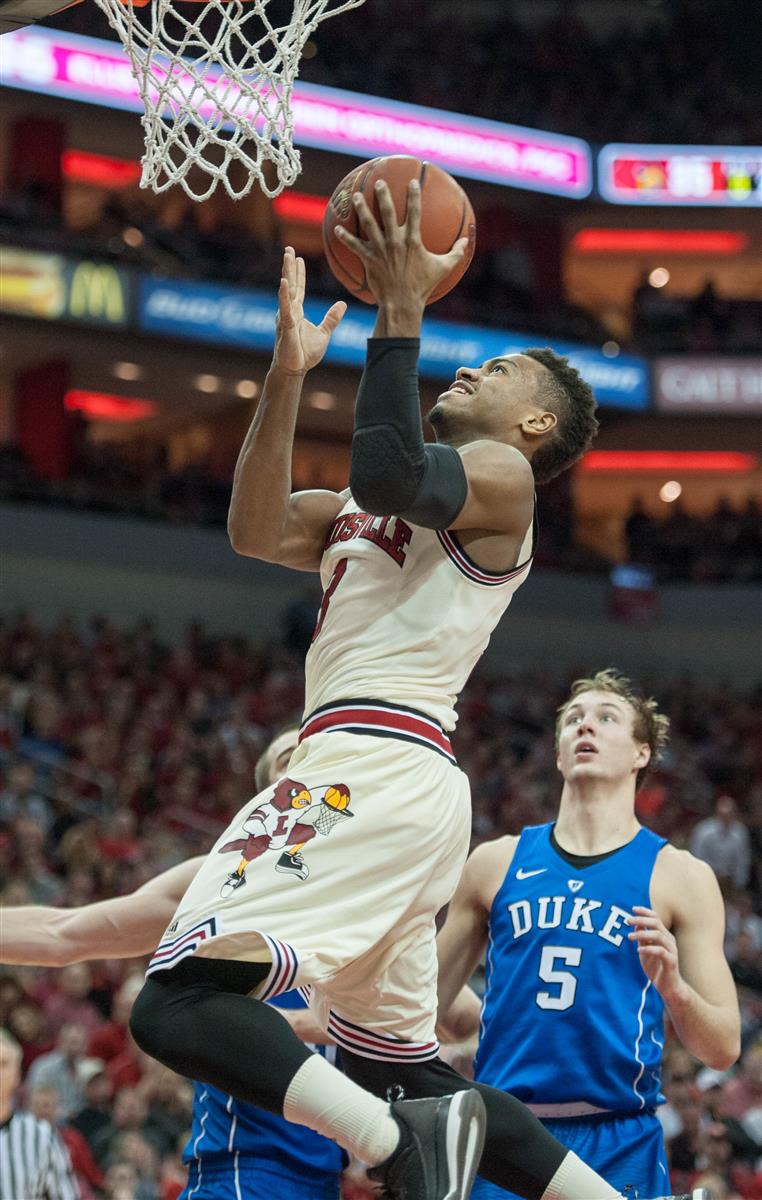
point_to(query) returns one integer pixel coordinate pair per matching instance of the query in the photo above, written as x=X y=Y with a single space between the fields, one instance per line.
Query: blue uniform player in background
x=235 y=1151
x=592 y=927
x=239 y=1152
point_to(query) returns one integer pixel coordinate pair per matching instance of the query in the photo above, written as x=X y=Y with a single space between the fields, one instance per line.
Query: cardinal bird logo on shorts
x=281 y=823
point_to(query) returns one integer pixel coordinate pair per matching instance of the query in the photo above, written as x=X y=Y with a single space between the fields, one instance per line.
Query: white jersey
x=406 y=614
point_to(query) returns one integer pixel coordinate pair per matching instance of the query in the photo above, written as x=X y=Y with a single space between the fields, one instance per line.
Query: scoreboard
x=718 y=176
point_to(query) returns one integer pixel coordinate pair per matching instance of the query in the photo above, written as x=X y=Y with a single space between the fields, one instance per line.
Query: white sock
x=574 y=1180
x=320 y=1097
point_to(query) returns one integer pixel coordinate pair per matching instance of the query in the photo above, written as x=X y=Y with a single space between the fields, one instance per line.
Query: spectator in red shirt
x=69 y=1003
x=27 y=1024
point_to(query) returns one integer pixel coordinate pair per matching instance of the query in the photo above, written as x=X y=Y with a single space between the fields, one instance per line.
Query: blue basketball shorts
x=628 y=1151
x=248 y=1179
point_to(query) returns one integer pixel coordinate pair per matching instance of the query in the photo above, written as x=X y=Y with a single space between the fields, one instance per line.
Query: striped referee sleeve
x=34 y=1162
x=60 y=1181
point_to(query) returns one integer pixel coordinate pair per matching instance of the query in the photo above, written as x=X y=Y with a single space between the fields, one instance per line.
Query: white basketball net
x=327 y=816
x=216 y=80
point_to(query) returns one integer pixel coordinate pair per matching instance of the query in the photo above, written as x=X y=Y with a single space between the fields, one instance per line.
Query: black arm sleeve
x=393 y=470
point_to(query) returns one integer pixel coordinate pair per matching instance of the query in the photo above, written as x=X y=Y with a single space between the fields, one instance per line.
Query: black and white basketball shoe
x=440 y=1145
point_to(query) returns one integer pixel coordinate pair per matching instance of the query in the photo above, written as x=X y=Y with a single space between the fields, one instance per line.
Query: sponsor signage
x=96 y=71
x=56 y=288
x=215 y=314
x=708 y=385
x=691 y=176
x=98 y=293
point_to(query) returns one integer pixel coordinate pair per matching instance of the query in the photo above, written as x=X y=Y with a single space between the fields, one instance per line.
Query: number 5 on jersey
x=570 y=956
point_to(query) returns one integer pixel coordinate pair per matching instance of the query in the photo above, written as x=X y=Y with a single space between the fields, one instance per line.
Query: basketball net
x=216 y=80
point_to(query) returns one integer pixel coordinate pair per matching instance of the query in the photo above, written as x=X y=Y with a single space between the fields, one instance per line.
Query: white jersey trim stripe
x=378 y=720
x=573 y=1108
x=369 y=1043
x=169 y=953
x=285 y=967
x=638 y=1059
x=199 y=1138
x=469 y=568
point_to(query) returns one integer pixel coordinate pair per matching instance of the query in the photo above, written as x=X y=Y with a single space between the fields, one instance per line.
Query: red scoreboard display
x=719 y=176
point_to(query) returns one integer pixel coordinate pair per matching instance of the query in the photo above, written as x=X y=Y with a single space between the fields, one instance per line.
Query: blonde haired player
x=593 y=926
x=419 y=560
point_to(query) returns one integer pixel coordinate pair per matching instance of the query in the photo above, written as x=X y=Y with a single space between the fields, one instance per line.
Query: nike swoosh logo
x=520 y=874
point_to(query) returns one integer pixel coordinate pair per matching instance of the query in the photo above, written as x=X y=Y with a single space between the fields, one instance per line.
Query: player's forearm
x=125 y=927
x=711 y=1032
x=262 y=480
x=30 y=936
x=398 y=318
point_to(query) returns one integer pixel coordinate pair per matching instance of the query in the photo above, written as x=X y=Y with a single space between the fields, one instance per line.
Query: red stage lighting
x=101 y=406
x=81 y=166
x=300 y=207
x=673 y=461
x=659 y=241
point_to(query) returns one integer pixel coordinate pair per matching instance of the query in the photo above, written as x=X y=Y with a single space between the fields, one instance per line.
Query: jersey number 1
x=333 y=583
x=570 y=956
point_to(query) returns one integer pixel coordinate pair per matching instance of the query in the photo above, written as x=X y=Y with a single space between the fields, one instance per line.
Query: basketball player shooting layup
x=594 y=924
x=332 y=879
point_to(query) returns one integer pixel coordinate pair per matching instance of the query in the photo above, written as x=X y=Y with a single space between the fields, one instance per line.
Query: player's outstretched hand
x=657 y=950
x=398 y=267
x=300 y=345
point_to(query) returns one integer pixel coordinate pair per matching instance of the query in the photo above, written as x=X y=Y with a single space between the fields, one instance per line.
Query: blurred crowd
x=705 y=323
x=664 y=77
x=105 y=477
x=669 y=78
x=660 y=76
x=120 y=756
x=508 y=284
x=724 y=546
x=502 y=286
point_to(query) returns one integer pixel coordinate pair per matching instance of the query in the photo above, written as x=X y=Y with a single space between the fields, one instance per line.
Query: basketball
x=337 y=797
x=446 y=215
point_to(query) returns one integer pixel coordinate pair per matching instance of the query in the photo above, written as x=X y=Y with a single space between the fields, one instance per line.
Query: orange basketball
x=446 y=215
x=337 y=797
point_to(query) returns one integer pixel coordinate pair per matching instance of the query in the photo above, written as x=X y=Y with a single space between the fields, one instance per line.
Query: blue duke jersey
x=226 y=1130
x=570 y=1017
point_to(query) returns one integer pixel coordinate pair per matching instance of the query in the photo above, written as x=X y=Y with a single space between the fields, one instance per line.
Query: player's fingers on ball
x=386 y=208
x=357 y=245
x=413 y=213
x=368 y=222
x=458 y=250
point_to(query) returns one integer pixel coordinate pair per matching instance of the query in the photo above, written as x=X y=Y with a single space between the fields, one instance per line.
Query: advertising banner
x=690 y=176
x=54 y=287
x=96 y=71
x=708 y=385
x=215 y=314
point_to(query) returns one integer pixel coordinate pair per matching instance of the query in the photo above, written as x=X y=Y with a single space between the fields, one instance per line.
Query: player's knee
x=148 y=1017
